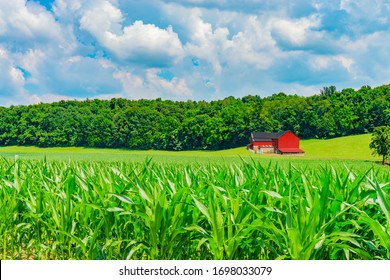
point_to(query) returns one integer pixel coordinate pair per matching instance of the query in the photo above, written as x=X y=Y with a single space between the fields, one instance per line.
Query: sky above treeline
x=189 y=49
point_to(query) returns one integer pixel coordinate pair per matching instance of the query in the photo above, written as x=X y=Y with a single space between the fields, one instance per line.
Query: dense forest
x=174 y=125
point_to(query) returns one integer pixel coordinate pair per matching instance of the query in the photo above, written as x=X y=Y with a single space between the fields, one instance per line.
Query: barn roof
x=267 y=136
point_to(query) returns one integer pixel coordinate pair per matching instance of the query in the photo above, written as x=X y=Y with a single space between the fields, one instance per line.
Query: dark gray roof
x=266 y=136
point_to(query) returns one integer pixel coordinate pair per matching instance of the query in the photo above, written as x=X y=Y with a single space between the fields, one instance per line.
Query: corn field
x=250 y=210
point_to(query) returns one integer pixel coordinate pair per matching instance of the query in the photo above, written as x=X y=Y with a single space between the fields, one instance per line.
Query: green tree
x=327 y=91
x=380 y=142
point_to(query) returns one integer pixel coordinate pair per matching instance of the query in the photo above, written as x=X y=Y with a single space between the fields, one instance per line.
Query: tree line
x=188 y=125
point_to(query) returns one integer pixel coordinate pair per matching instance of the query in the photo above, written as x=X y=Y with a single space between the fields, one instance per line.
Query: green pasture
x=79 y=203
x=350 y=152
x=350 y=148
x=90 y=154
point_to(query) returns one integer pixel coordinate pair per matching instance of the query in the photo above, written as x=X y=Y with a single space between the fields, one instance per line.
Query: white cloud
x=139 y=42
x=47 y=98
x=16 y=76
x=50 y=97
x=345 y=61
x=204 y=41
x=34 y=99
x=371 y=9
x=321 y=63
x=31 y=60
x=296 y=32
x=112 y=48
x=213 y=41
x=27 y=22
x=133 y=85
x=149 y=85
x=371 y=57
x=75 y=76
x=176 y=87
x=253 y=46
x=11 y=79
x=103 y=17
x=3 y=53
x=62 y=7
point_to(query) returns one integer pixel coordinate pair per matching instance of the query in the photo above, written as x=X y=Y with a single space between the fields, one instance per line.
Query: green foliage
x=381 y=142
x=148 y=210
x=328 y=90
x=168 y=125
x=351 y=148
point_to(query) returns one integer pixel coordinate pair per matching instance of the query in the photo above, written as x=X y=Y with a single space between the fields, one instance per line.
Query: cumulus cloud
x=47 y=98
x=190 y=49
x=216 y=44
x=12 y=80
x=253 y=45
x=377 y=10
x=134 y=86
x=242 y=6
x=80 y=76
x=150 y=85
x=205 y=42
x=28 y=23
x=295 y=32
x=176 y=87
x=139 y=42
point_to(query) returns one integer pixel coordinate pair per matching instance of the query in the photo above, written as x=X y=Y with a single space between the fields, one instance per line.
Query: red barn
x=284 y=142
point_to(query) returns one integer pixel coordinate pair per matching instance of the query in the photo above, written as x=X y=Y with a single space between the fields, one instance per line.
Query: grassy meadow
x=345 y=148
x=348 y=147
x=75 y=203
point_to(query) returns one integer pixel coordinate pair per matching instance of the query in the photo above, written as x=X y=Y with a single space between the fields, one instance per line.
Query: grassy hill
x=350 y=147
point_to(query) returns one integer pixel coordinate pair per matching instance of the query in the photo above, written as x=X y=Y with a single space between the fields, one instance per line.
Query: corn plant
x=152 y=210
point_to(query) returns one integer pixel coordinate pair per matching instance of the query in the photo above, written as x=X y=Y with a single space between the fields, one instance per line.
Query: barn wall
x=288 y=140
x=262 y=143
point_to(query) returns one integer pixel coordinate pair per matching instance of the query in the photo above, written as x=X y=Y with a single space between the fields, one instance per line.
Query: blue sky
x=189 y=49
